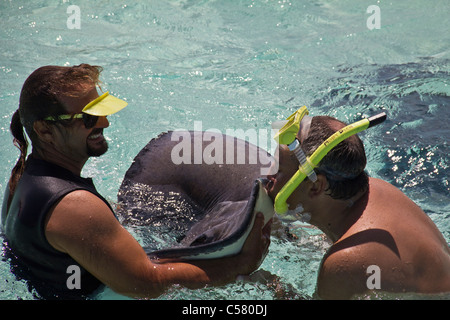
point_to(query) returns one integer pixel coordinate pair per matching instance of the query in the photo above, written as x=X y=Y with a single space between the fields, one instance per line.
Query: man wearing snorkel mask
x=369 y=221
x=56 y=222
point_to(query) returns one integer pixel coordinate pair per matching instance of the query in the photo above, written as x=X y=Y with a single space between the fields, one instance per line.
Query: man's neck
x=335 y=217
x=59 y=159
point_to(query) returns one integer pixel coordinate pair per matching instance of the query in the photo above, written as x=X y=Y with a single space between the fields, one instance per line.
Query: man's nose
x=102 y=122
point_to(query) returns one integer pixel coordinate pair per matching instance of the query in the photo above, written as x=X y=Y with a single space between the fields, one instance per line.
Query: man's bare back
x=392 y=233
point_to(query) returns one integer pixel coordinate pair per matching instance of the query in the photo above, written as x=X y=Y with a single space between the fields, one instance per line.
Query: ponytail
x=20 y=141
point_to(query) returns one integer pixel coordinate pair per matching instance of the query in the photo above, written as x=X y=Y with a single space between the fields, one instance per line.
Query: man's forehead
x=74 y=104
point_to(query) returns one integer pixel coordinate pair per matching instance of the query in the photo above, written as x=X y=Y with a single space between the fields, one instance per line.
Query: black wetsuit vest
x=41 y=186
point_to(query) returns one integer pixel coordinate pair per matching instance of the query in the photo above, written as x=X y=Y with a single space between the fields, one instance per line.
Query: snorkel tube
x=306 y=168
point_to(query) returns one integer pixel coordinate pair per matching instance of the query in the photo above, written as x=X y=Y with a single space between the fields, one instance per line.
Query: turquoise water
x=243 y=64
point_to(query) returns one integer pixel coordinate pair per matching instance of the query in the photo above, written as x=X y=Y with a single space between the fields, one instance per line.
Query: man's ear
x=318 y=187
x=43 y=130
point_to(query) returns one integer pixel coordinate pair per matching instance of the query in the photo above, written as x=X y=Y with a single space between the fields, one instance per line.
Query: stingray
x=201 y=188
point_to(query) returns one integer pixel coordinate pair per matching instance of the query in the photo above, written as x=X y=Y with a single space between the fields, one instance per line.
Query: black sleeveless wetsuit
x=41 y=186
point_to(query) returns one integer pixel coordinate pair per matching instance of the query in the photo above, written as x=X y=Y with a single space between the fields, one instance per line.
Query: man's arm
x=83 y=226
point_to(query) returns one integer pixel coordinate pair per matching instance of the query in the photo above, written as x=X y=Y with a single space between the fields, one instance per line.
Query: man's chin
x=97 y=151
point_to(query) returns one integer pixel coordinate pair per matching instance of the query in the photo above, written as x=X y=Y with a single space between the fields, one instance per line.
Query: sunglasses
x=102 y=106
x=89 y=120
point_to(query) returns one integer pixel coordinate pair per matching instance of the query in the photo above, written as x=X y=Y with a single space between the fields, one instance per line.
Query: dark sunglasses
x=89 y=120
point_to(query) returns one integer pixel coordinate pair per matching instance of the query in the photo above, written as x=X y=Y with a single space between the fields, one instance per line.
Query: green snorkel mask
x=287 y=135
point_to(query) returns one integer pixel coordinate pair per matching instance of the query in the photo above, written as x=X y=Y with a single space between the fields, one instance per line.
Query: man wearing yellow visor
x=63 y=232
x=381 y=239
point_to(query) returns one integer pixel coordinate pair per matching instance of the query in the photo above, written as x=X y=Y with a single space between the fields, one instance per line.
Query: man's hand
x=256 y=246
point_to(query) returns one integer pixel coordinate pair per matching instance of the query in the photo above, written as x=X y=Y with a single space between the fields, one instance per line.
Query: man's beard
x=98 y=151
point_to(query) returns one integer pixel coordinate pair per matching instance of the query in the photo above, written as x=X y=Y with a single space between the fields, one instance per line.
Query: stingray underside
x=206 y=207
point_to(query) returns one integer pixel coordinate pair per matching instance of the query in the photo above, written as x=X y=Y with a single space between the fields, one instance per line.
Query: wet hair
x=344 y=165
x=39 y=99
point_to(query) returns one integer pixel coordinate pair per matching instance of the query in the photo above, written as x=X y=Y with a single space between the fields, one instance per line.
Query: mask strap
x=305 y=124
x=305 y=165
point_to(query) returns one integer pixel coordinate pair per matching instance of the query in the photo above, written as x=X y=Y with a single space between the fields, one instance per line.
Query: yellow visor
x=104 y=105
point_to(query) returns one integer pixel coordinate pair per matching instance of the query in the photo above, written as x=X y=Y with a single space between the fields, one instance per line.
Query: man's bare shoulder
x=346 y=266
x=81 y=198
x=341 y=275
x=79 y=205
x=78 y=213
x=389 y=196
